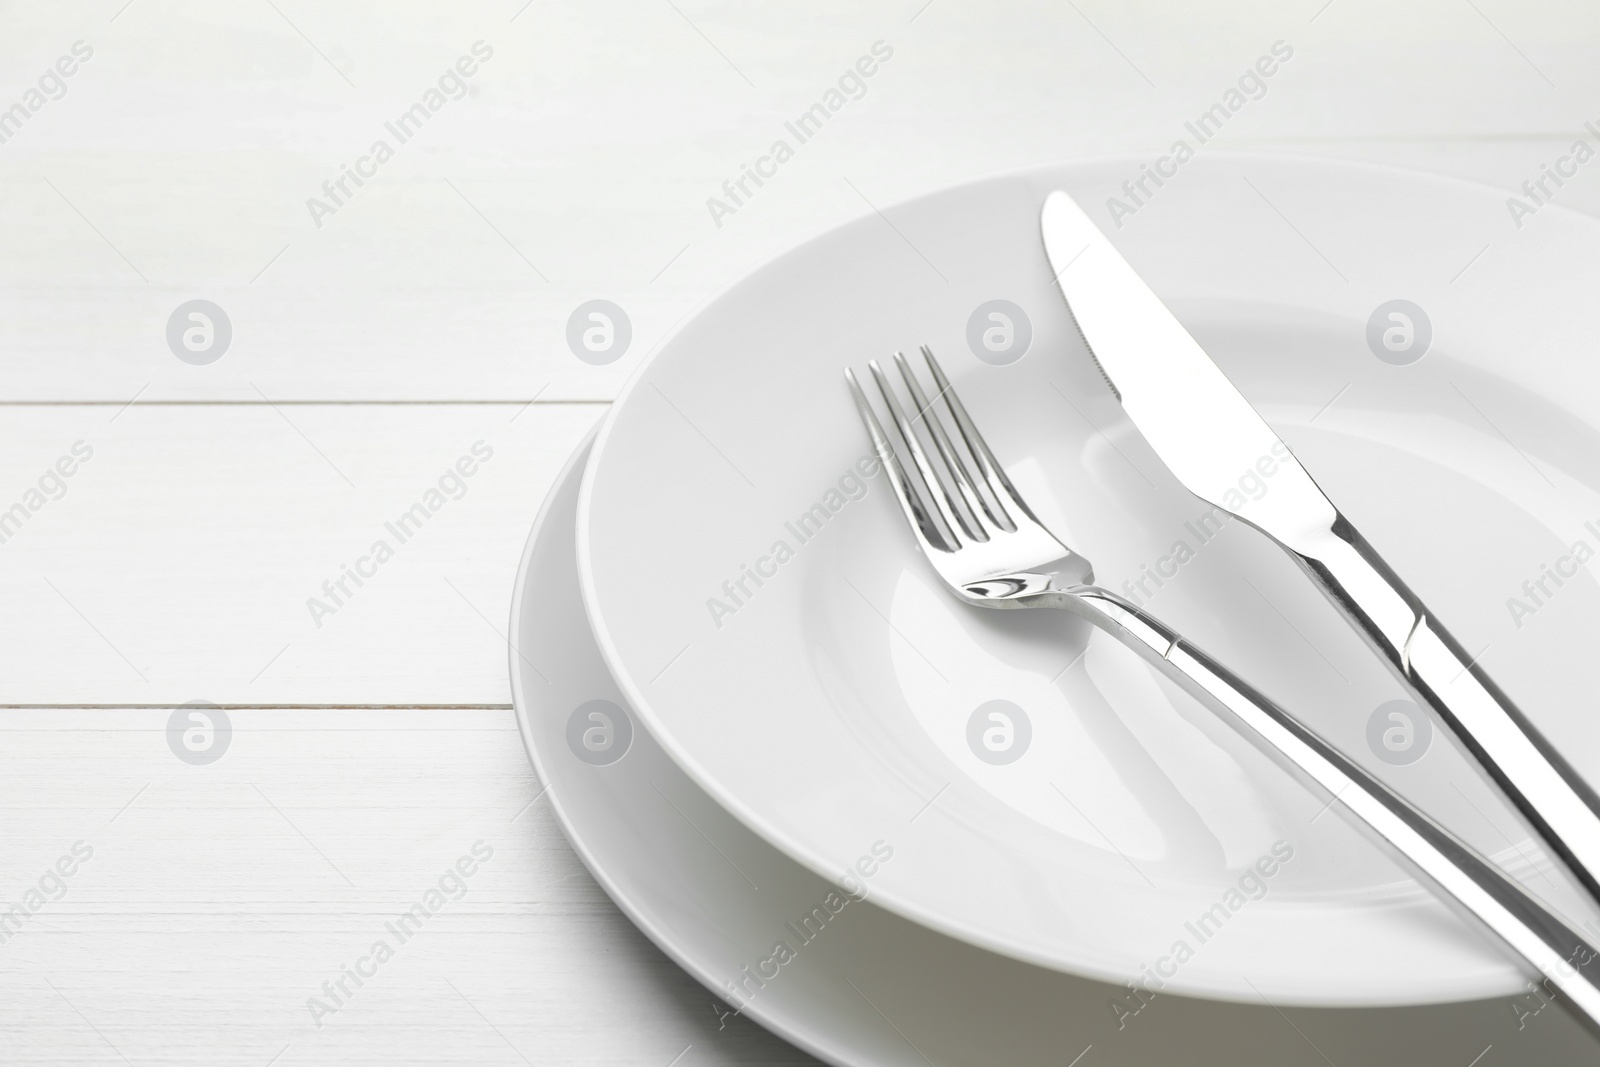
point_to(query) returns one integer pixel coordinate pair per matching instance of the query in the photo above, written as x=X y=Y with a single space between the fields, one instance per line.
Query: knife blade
x=1192 y=415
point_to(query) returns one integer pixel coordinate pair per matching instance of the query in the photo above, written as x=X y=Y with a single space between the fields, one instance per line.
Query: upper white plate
x=765 y=611
x=860 y=986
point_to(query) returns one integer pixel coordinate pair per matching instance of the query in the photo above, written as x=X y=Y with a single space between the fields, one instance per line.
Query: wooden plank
x=581 y=162
x=484 y=337
x=187 y=557
x=218 y=899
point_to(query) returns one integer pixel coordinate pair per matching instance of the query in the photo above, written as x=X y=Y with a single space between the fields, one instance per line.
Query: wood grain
x=581 y=160
x=180 y=561
x=218 y=899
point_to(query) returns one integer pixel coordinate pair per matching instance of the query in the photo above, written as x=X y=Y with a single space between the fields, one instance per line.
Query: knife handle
x=1458 y=875
x=1441 y=675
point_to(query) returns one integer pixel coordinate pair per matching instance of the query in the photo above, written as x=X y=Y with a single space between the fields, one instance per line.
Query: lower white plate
x=846 y=980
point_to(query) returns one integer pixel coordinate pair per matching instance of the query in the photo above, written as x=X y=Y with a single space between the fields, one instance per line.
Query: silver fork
x=992 y=552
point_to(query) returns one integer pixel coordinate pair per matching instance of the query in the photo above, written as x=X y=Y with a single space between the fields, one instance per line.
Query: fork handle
x=1456 y=872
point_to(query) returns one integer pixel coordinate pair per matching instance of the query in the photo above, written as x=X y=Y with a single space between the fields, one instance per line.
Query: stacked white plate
x=895 y=830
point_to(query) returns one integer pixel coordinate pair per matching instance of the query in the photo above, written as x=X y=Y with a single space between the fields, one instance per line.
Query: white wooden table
x=375 y=340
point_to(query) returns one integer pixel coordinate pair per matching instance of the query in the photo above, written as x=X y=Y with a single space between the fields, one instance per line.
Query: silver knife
x=1209 y=436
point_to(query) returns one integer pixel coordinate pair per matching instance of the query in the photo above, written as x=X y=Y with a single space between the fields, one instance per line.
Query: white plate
x=717 y=899
x=831 y=707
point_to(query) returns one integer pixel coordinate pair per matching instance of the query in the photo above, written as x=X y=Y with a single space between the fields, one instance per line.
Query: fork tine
x=977 y=506
x=923 y=524
x=994 y=475
x=948 y=510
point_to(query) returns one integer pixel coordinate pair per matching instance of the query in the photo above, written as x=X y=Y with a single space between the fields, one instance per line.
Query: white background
x=429 y=313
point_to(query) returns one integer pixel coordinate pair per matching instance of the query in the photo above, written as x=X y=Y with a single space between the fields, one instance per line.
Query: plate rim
x=760 y=1013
